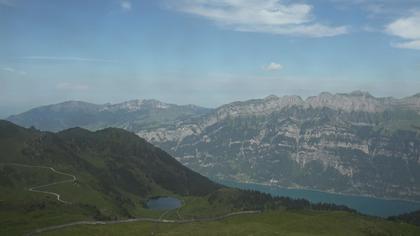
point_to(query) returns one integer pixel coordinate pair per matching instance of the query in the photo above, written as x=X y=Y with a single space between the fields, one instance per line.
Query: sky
x=204 y=52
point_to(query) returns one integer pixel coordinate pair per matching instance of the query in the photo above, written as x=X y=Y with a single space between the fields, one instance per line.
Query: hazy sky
x=205 y=52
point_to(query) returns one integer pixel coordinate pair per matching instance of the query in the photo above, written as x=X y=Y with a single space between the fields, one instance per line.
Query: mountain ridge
x=294 y=144
x=359 y=141
x=138 y=112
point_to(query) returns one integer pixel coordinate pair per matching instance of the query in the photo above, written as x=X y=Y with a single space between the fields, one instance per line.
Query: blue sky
x=205 y=52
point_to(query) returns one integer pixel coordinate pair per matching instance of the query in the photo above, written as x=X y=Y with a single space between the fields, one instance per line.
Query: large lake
x=163 y=203
x=365 y=205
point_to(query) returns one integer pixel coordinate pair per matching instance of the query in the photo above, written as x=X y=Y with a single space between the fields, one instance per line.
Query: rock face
x=347 y=143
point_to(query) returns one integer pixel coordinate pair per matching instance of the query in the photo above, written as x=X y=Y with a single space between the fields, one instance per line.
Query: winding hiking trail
x=34 y=188
x=141 y=219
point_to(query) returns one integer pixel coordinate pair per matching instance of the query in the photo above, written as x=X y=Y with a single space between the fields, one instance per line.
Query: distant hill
x=132 y=115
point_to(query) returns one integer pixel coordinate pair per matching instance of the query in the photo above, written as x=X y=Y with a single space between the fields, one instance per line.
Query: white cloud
x=414 y=44
x=371 y=29
x=408 y=29
x=377 y=8
x=72 y=87
x=126 y=5
x=80 y=59
x=8 y=69
x=13 y=70
x=272 y=67
x=267 y=16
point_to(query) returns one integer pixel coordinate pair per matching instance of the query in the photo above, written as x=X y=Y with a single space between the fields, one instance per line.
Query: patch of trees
x=254 y=200
x=410 y=218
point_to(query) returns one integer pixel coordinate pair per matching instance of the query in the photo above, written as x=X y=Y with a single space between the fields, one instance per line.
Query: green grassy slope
x=298 y=223
x=116 y=173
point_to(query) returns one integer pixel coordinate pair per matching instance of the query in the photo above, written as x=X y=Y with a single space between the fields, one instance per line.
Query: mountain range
x=131 y=115
x=346 y=143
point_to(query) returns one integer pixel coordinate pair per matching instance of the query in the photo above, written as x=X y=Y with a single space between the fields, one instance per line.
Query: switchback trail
x=34 y=188
x=153 y=220
x=142 y=219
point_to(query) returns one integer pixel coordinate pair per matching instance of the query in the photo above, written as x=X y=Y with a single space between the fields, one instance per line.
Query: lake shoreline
x=321 y=191
x=367 y=205
x=163 y=203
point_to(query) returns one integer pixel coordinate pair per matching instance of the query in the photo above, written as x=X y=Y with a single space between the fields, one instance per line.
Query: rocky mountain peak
x=355 y=101
x=349 y=102
x=412 y=102
x=136 y=105
x=416 y=95
x=259 y=106
x=271 y=97
x=292 y=100
x=69 y=106
x=325 y=95
x=359 y=93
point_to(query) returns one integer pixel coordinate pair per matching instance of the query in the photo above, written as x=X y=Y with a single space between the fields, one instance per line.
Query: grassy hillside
x=116 y=172
x=411 y=218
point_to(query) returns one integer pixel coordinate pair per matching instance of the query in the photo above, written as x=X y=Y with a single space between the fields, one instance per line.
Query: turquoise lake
x=366 y=205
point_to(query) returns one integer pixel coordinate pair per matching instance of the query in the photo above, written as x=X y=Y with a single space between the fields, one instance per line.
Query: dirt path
x=34 y=188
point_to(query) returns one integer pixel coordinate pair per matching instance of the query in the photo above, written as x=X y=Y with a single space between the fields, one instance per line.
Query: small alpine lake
x=163 y=203
x=365 y=205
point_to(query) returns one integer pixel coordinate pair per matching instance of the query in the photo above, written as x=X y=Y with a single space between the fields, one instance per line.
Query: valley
x=102 y=181
x=353 y=144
